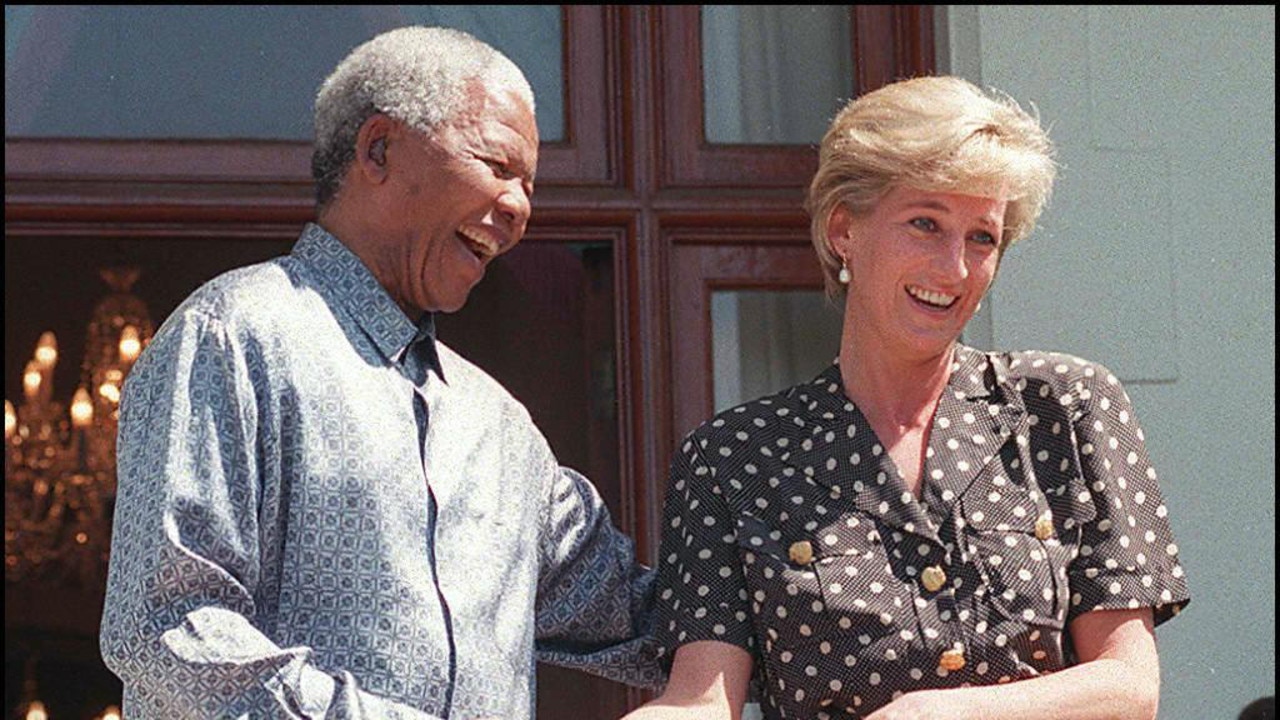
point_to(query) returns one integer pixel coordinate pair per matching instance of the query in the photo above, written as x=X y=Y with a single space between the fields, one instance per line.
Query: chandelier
x=60 y=466
x=32 y=707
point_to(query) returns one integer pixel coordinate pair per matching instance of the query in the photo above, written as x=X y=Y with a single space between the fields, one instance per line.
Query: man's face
x=462 y=198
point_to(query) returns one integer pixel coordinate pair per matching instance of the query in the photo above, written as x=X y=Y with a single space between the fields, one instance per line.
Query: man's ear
x=371 y=147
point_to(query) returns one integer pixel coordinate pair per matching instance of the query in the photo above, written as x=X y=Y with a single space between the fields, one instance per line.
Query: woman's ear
x=840 y=231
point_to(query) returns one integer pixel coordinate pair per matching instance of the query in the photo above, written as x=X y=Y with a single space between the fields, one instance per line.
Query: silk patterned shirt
x=789 y=532
x=323 y=513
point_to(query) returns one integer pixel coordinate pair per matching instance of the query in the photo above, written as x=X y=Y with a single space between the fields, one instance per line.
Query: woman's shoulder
x=1045 y=366
x=1046 y=379
x=778 y=414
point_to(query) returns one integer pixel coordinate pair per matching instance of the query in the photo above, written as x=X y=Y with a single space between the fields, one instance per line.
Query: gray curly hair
x=420 y=76
x=940 y=134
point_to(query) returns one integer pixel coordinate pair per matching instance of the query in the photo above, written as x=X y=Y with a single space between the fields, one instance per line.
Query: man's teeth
x=481 y=242
x=930 y=297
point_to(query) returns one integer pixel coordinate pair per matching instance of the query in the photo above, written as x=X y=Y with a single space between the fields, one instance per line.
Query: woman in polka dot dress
x=924 y=530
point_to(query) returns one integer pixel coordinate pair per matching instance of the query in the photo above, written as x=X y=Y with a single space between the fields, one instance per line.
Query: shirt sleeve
x=178 y=625
x=1128 y=557
x=702 y=594
x=595 y=600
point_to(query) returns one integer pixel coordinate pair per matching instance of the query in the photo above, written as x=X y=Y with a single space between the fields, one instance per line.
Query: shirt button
x=951 y=660
x=1044 y=528
x=801 y=552
x=933 y=578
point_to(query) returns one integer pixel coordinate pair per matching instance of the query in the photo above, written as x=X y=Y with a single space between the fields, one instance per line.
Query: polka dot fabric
x=789 y=532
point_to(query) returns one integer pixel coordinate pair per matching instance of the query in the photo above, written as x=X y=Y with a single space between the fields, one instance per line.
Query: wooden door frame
x=772 y=261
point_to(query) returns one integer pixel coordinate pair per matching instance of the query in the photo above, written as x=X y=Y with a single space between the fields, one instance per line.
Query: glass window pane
x=247 y=71
x=764 y=341
x=774 y=74
x=542 y=323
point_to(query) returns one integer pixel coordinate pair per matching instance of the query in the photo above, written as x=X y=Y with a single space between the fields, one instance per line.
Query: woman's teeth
x=929 y=297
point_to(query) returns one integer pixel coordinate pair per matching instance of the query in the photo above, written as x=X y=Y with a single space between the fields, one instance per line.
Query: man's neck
x=361 y=238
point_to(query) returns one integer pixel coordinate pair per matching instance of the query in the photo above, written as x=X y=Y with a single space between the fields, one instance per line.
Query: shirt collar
x=349 y=287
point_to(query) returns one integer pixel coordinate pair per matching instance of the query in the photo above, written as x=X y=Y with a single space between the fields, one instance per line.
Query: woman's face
x=919 y=265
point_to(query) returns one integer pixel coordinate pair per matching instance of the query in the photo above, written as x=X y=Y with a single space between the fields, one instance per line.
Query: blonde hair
x=939 y=134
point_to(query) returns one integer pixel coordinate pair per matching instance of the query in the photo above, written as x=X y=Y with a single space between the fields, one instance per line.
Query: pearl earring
x=844 y=275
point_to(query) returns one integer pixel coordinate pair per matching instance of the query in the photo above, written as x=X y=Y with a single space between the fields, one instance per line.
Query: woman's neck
x=898 y=392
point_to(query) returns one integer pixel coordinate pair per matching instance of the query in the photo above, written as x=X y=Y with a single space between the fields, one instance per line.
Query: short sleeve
x=1128 y=557
x=702 y=594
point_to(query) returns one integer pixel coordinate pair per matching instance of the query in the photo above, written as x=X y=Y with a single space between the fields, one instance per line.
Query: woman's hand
x=1118 y=678
x=708 y=682
x=922 y=705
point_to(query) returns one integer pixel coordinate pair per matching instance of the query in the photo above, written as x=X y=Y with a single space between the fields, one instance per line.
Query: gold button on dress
x=933 y=578
x=951 y=660
x=801 y=552
x=1044 y=528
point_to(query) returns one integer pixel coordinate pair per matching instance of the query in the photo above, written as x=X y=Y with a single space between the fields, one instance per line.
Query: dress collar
x=838 y=449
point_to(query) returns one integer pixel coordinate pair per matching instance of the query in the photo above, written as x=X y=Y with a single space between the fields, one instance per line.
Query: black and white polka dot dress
x=788 y=531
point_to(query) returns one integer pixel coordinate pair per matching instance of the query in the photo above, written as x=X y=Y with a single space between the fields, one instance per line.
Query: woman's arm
x=708 y=682
x=1118 y=678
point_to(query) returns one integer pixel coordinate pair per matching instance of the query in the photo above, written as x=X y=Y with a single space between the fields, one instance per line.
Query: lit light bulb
x=36 y=711
x=10 y=420
x=81 y=409
x=110 y=391
x=47 y=350
x=111 y=713
x=130 y=344
x=31 y=379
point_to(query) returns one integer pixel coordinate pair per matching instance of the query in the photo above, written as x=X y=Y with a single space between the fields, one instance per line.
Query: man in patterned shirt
x=322 y=512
